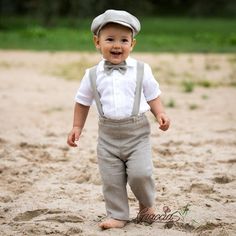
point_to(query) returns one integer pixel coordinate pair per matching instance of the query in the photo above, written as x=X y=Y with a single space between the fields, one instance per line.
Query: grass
x=189 y=35
x=205 y=97
x=157 y=35
x=205 y=83
x=193 y=106
x=171 y=103
x=188 y=86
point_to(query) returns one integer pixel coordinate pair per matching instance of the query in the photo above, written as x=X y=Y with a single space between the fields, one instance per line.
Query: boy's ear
x=96 y=41
x=133 y=44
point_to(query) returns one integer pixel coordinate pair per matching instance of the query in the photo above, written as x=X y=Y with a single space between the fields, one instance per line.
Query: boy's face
x=115 y=42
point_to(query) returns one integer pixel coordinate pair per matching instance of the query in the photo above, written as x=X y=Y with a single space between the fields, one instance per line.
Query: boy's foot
x=112 y=223
x=146 y=210
x=146 y=214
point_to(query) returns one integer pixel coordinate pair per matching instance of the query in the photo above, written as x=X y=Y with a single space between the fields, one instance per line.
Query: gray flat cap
x=115 y=16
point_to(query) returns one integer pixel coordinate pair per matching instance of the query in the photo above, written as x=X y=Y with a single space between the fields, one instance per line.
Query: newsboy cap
x=115 y=16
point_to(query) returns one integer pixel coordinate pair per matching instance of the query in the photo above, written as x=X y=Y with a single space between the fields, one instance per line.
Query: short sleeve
x=84 y=94
x=151 y=88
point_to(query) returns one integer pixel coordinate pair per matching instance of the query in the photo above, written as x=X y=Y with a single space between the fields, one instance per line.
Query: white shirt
x=117 y=90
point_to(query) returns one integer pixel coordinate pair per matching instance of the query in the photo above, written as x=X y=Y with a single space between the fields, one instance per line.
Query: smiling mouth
x=116 y=53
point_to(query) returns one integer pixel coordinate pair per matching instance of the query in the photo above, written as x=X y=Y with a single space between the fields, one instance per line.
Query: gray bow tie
x=109 y=67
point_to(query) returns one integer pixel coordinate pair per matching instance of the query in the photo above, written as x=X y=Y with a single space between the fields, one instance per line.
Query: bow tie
x=109 y=67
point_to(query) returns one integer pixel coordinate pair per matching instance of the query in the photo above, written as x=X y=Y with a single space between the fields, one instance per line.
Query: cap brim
x=123 y=23
x=117 y=22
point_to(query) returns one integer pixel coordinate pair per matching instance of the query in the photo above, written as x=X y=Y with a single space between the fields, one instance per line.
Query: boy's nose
x=116 y=45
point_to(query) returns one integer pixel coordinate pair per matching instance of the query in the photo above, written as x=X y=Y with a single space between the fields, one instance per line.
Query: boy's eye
x=109 y=39
x=124 y=40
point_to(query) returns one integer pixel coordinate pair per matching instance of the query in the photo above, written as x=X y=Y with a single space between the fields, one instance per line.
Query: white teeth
x=116 y=52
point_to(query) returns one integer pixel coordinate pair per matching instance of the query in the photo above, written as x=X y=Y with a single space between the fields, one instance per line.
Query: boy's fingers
x=160 y=121
x=77 y=136
x=72 y=144
x=71 y=140
x=165 y=123
x=163 y=127
x=73 y=137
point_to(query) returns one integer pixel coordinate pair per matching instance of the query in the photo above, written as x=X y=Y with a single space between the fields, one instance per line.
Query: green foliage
x=171 y=103
x=205 y=97
x=34 y=32
x=157 y=35
x=193 y=106
x=188 y=86
x=50 y=9
x=187 y=35
x=205 y=83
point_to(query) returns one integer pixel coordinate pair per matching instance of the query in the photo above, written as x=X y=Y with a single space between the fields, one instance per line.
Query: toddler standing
x=123 y=89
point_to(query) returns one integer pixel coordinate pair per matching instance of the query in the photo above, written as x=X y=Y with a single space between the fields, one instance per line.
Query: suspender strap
x=93 y=77
x=138 y=89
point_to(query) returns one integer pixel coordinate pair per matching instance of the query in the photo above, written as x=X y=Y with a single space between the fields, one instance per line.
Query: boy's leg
x=139 y=165
x=139 y=171
x=113 y=174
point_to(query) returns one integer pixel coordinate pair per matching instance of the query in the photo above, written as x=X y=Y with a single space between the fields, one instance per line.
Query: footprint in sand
x=182 y=226
x=64 y=218
x=73 y=230
x=210 y=228
x=201 y=188
x=230 y=161
x=29 y=215
x=50 y=230
x=49 y=215
x=223 y=179
x=5 y=197
x=2 y=141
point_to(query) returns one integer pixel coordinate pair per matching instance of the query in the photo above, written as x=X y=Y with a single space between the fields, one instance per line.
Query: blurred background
x=47 y=188
x=172 y=26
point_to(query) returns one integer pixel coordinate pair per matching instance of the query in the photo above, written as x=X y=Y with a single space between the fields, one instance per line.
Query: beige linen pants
x=124 y=155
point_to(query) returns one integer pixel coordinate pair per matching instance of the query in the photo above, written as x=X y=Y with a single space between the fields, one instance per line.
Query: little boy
x=123 y=89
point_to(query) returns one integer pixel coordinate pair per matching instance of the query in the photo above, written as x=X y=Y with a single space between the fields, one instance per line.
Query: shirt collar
x=129 y=61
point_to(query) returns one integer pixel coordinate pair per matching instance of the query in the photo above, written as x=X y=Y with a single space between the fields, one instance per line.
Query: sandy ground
x=47 y=188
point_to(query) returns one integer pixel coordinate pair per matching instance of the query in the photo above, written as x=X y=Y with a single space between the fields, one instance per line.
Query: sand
x=47 y=188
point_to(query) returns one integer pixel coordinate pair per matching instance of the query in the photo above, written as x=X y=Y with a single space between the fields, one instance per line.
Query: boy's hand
x=163 y=121
x=73 y=136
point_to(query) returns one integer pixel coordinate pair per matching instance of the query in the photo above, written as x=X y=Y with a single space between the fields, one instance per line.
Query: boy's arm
x=157 y=110
x=80 y=115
